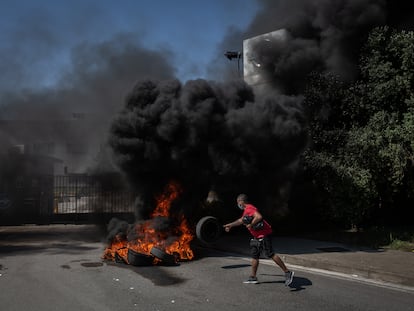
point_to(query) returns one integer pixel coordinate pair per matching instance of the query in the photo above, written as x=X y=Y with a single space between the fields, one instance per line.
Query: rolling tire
x=208 y=229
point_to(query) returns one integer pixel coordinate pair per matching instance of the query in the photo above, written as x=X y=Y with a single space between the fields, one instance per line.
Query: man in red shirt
x=261 y=231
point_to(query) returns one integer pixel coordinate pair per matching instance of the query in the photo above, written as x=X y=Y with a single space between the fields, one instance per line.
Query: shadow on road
x=298 y=284
x=236 y=266
x=156 y=274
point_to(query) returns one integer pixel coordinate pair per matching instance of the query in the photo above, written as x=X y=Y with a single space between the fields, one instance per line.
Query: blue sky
x=37 y=37
x=88 y=50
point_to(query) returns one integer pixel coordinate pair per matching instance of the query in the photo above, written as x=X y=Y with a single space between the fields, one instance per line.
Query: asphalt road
x=57 y=270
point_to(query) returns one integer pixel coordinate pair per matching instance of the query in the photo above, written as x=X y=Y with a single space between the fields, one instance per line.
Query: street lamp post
x=232 y=55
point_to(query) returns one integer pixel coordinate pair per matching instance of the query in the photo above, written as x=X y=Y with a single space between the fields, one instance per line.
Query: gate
x=46 y=199
x=26 y=199
x=80 y=197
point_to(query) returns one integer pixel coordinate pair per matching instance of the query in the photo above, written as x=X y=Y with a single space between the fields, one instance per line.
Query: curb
x=388 y=279
x=382 y=279
x=353 y=277
x=355 y=272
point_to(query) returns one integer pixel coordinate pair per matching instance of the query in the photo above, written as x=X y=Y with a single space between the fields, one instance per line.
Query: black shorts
x=259 y=246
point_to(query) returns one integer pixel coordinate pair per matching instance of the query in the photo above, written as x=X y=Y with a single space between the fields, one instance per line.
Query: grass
x=397 y=238
x=406 y=246
x=403 y=242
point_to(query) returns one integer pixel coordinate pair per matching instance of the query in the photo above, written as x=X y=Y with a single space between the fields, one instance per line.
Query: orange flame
x=172 y=191
x=118 y=246
x=176 y=241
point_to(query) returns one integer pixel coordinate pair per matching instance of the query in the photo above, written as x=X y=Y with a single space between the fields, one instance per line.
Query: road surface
x=61 y=269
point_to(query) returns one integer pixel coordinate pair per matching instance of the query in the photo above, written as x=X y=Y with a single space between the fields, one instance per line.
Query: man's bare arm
x=235 y=223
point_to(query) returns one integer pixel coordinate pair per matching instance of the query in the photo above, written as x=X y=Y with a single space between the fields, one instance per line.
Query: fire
x=118 y=246
x=175 y=239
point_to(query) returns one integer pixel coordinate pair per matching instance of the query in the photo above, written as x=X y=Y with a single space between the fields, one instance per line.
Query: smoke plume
x=205 y=135
x=91 y=90
x=220 y=135
x=324 y=36
x=229 y=137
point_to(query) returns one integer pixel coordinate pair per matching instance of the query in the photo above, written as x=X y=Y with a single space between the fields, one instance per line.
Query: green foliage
x=326 y=115
x=347 y=190
x=362 y=156
x=402 y=245
x=387 y=72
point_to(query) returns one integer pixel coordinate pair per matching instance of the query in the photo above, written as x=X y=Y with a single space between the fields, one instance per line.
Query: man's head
x=241 y=201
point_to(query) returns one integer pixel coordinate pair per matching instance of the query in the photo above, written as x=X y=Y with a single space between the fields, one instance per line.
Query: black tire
x=208 y=229
x=118 y=258
x=139 y=259
x=165 y=257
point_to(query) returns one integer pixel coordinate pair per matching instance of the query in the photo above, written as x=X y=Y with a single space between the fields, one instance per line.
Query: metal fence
x=65 y=198
x=79 y=194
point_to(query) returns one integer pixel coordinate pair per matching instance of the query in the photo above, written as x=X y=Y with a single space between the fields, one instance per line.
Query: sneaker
x=251 y=280
x=289 y=277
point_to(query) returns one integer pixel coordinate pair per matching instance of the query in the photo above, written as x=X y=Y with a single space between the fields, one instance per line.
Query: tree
x=361 y=159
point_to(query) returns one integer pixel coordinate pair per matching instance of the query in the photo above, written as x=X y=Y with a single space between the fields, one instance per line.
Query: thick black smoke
x=323 y=35
x=94 y=86
x=224 y=135
x=205 y=135
x=221 y=135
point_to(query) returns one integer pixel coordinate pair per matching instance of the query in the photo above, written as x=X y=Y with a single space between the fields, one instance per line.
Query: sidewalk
x=387 y=266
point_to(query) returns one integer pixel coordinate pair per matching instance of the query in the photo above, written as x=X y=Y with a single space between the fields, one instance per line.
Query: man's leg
x=269 y=252
x=288 y=274
x=268 y=249
x=255 y=249
x=255 y=265
x=280 y=263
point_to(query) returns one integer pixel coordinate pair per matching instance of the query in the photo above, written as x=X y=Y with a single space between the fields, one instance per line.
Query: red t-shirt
x=249 y=210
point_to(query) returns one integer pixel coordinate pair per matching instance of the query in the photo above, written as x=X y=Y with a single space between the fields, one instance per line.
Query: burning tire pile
x=162 y=239
x=208 y=230
x=154 y=249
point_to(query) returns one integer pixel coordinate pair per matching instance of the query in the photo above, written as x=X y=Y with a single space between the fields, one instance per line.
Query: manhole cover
x=333 y=249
